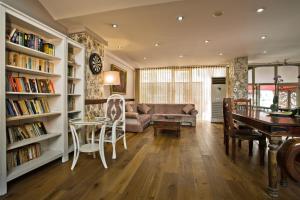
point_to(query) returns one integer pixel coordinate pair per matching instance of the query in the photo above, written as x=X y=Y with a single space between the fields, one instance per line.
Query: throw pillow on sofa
x=128 y=108
x=144 y=109
x=188 y=109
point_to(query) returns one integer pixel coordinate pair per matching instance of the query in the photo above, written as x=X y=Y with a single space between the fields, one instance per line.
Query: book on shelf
x=71 y=103
x=26 y=107
x=18 y=133
x=31 y=41
x=71 y=87
x=71 y=71
x=29 y=85
x=29 y=62
x=22 y=155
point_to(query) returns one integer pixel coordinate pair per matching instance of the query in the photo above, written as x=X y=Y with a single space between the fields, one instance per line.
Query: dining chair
x=115 y=128
x=241 y=105
x=91 y=146
x=233 y=133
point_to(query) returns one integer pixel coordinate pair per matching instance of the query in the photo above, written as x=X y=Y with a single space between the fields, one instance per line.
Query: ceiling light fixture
x=263 y=37
x=114 y=25
x=218 y=13
x=220 y=54
x=156 y=44
x=264 y=52
x=180 y=56
x=145 y=58
x=260 y=10
x=180 y=18
x=207 y=41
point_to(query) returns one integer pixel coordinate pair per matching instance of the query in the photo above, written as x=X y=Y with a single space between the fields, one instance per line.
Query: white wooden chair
x=90 y=147
x=115 y=128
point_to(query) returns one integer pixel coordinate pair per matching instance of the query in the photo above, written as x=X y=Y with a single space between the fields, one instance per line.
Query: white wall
x=109 y=59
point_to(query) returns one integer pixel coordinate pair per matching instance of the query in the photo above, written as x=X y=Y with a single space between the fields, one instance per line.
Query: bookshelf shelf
x=74 y=78
x=75 y=95
x=31 y=94
x=29 y=51
x=46 y=157
x=25 y=117
x=30 y=71
x=32 y=140
x=73 y=64
x=73 y=111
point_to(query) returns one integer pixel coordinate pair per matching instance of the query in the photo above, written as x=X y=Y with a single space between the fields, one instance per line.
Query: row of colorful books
x=31 y=41
x=22 y=155
x=29 y=62
x=25 y=131
x=30 y=85
x=71 y=88
x=26 y=107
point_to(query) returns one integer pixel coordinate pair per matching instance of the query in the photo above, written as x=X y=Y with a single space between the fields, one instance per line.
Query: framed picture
x=119 y=89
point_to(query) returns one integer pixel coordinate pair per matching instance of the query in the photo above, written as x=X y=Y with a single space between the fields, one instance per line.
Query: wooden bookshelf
x=75 y=76
x=53 y=144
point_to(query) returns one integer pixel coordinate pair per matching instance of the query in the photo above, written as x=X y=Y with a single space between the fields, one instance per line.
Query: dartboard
x=95 y=63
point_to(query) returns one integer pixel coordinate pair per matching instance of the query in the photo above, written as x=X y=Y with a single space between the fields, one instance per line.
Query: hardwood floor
x=164 y=167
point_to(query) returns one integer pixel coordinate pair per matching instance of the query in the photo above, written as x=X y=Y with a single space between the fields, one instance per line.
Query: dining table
x=274 y=128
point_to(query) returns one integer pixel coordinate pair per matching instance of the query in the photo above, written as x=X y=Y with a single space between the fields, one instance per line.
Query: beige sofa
x=137 y=121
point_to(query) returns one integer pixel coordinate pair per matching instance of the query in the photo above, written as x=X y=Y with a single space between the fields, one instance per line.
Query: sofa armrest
x=194 y=112
x=131 y=115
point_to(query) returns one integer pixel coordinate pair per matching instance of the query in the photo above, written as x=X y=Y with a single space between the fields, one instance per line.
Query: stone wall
x=93 y=85
x=237 y=74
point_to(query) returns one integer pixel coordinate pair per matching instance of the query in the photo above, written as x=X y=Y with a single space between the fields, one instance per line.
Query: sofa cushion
x=132 y=115
x=143 y=108
x=188 y=108
x=144 y=118
x=128 y=108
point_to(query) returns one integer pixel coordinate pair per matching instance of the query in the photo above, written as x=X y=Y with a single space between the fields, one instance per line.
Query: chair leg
x=114 y=156
x=226 y=140
x=240 y=144
x=262 y=149
x=124 y=142
x=250 y=147
x=233 y=148
x=75 y=158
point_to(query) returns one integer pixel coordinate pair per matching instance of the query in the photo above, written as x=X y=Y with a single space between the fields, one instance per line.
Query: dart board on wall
x=95 y=63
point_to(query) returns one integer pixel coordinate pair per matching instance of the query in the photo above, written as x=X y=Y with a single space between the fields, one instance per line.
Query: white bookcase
x=54 y=145
x=76 y=77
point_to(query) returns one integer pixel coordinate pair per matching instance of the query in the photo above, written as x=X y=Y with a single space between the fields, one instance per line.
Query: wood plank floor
x=192 y=167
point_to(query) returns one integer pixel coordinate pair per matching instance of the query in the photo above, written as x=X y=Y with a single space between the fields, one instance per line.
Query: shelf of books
x=75 y=85
x=33 y=91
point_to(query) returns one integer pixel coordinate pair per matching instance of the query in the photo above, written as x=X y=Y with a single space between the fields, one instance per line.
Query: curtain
x=180 y=85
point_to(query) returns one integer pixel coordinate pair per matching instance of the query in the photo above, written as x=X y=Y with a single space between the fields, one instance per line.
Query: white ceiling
x=142 y=23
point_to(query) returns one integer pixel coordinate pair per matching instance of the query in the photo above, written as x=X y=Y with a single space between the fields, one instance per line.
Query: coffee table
x=162 y=122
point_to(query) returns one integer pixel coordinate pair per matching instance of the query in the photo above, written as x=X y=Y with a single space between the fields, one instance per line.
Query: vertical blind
x=180 y=85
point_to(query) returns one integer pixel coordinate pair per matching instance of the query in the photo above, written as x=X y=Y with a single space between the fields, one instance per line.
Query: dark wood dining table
x=274 y=127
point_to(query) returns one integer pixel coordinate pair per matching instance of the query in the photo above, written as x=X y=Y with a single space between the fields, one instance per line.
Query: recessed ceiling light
x=218 y=13
x=156 y=44
x=263 y=37
x=264 y=52
x=180 y=18
x=260 y=10
x=221 y=54
x=207 y=41
x=114 y=25
x=145 y=58
x=180 y=56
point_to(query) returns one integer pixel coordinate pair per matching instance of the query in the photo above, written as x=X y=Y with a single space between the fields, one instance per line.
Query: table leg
x=272 y=166
x=93 y=139
x=155 y=131
x=178 y=132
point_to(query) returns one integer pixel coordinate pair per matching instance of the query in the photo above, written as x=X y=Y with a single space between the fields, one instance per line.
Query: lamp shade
x=111 y=78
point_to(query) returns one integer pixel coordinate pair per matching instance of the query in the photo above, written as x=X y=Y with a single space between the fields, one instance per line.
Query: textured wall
x=238 y=78
x=93 y=85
